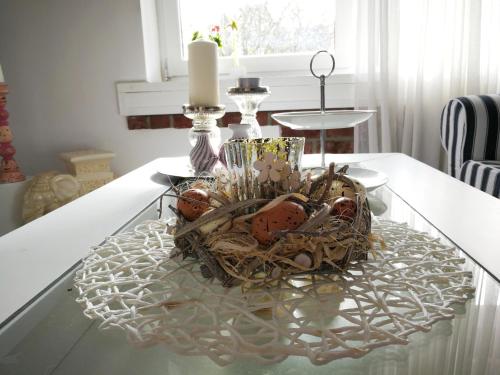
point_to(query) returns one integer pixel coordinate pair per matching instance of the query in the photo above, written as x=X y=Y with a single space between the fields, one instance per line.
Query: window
x=272 y=35
x=279 y=54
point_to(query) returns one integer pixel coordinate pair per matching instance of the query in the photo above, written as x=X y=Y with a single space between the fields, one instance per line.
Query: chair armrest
x=470 y=130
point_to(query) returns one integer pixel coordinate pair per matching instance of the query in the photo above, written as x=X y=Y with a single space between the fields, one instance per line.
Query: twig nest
x=276 y=272
x=193 y=203
x=286 y=215
x=360 y=190
x=321 y=225
x=342 y=189
x=345 y=208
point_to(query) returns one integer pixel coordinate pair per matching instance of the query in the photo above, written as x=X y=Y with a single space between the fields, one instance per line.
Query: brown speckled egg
x=193 y=203
x=345 y=208
x=285 y=216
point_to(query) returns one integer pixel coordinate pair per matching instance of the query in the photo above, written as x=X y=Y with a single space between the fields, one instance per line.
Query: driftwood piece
x=219 y=198
x=220 y=212
x=329 y=181
x=316 y=219
x=188 y=245
x=215 y=269
x=316 y=184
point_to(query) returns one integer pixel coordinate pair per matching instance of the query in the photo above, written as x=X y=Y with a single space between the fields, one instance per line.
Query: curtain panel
x=411 y=58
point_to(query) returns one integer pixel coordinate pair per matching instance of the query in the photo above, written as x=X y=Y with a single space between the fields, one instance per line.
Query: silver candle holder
x=204 y=136
x=248 y=96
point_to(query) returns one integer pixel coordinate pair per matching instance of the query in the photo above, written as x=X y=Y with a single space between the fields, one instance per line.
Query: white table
x=37 y=261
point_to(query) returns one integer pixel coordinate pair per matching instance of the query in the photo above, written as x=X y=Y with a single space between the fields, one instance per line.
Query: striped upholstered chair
x=470 y=133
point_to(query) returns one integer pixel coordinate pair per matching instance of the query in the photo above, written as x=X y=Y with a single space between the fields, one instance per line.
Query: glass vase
x=241 y=158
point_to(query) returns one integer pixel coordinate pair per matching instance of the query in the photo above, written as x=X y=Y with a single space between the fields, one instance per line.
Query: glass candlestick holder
x=204 y=122
x=204 y=136
x=248 y=96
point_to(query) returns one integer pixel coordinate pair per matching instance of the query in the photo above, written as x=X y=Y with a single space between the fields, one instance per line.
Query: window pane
x=264 y=27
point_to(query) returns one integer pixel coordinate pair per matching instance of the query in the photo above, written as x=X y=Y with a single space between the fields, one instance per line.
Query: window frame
x=163 y=93
x=170 y=46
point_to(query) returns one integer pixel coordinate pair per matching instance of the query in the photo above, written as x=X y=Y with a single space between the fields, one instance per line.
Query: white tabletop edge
x=36 y=254
x=466 y=215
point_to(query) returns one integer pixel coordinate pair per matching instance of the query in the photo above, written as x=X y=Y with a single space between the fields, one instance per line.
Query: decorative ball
x=303 y=260
x=345 y=208
x=193 y=203
x=4 y=115
x=285 y=216
x=5 y=134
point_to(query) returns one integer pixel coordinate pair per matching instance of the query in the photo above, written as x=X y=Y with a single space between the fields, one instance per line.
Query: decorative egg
x=345 y=208
x=303 y=260
x=193 y=203
x=284 y=216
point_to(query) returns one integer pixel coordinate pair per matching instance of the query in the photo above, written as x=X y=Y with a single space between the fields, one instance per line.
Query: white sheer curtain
x=412 y=56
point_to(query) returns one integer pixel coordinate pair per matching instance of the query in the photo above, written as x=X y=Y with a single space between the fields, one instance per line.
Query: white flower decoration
x=222 y=175
x=270 y=167
x=295 y=180
x=290 y=179
x=223 y=181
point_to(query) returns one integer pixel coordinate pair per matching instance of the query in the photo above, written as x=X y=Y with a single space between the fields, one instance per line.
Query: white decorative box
x=90 y=167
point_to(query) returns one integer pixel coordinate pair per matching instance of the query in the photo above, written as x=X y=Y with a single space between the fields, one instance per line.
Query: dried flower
x=294 y=180
x=308 y=184
x=290 y=179
x=270 y=167
x=223 y=182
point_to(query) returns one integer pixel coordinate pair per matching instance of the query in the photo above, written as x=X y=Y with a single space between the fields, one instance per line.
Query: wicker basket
x=222 y=238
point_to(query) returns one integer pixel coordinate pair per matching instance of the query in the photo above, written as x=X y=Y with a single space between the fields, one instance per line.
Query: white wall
x=61 y=59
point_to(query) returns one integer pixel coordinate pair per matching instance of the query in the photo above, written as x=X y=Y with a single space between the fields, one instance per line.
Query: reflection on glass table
x=65 y=342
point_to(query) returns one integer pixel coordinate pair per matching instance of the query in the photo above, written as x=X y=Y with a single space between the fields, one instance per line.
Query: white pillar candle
x=1 y=75
x=203 y=73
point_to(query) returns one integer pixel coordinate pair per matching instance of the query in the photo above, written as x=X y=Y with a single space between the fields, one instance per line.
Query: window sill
x=290 y=90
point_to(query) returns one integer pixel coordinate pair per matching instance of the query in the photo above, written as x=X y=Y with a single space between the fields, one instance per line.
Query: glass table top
x=63 y=341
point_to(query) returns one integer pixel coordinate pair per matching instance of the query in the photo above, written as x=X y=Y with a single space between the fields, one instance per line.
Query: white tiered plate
x=177 y=167
x=370 y=178
x=180 y=167
x=315 y=120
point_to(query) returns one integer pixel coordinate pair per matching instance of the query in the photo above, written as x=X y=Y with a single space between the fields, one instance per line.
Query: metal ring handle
x=312 y=60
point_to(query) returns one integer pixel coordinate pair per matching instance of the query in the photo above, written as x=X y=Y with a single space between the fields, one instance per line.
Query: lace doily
x=131 y=283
